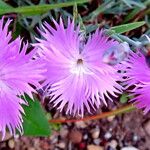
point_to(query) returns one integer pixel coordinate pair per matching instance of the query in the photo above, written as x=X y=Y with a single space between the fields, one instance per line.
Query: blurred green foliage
x=31 y=13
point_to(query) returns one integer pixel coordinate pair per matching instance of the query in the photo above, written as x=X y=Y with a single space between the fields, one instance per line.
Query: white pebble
x=110 y=118
x=95 y=133
x=85 y=137
x=135 y=138
x=129 y=148
x=11 y=144
x=96 y=141
x=61 y=145
x=107 y=135
x=113 y=144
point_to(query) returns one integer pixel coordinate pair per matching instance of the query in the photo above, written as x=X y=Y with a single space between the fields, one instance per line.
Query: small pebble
x=54 y=137
x=45 y=146
x=96 y=141
x=85 y=137
x=94 y=147
x=81 y=124
x=32 y=148
x=75 y=136
x=129 y=148
x=108 y=135
x=17 y=136
x=63 y=132
x=135 y=138
x=95 y=133
x=110 y=148
x=113 y=144
x=11 y=143
x=61 y=145
x=111 y=118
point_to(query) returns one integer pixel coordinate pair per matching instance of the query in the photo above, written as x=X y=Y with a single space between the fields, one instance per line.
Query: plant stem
x=136 y=44
x=121 y=110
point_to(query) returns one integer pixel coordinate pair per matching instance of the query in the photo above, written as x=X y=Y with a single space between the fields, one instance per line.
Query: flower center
x=80 y=62
x=79 y=67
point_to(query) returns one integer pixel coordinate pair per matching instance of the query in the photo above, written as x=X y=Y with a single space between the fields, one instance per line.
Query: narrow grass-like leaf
x=40 y=9
x=4 y=7
x=132 y=14
x=127 y=27
x=132 y=3
x=99 y=10
x=135 y=11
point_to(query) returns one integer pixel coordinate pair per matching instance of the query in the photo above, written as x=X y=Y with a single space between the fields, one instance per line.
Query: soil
x=130 y=131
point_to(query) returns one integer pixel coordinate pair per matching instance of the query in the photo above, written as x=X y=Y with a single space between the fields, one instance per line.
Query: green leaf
x=75 y=12
x=54 y=126
x=127 y=27
x=40 y=9
x=132 y=14
x=4 y=7
x=135 y=11
x=78 y=20
x=18 y=31
x=35 y=122
x=101 y=8
x=90 y=28
x=124 y=98
x=131 y=3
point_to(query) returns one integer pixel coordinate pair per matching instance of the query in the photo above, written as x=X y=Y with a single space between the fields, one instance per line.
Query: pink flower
x=77 y=76
x=17 y=71
x=138 y=74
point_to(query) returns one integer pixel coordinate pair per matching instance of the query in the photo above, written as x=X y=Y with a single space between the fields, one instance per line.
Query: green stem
x=136 y=44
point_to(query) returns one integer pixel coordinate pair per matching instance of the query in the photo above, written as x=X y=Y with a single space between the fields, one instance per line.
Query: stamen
x=79 y=61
